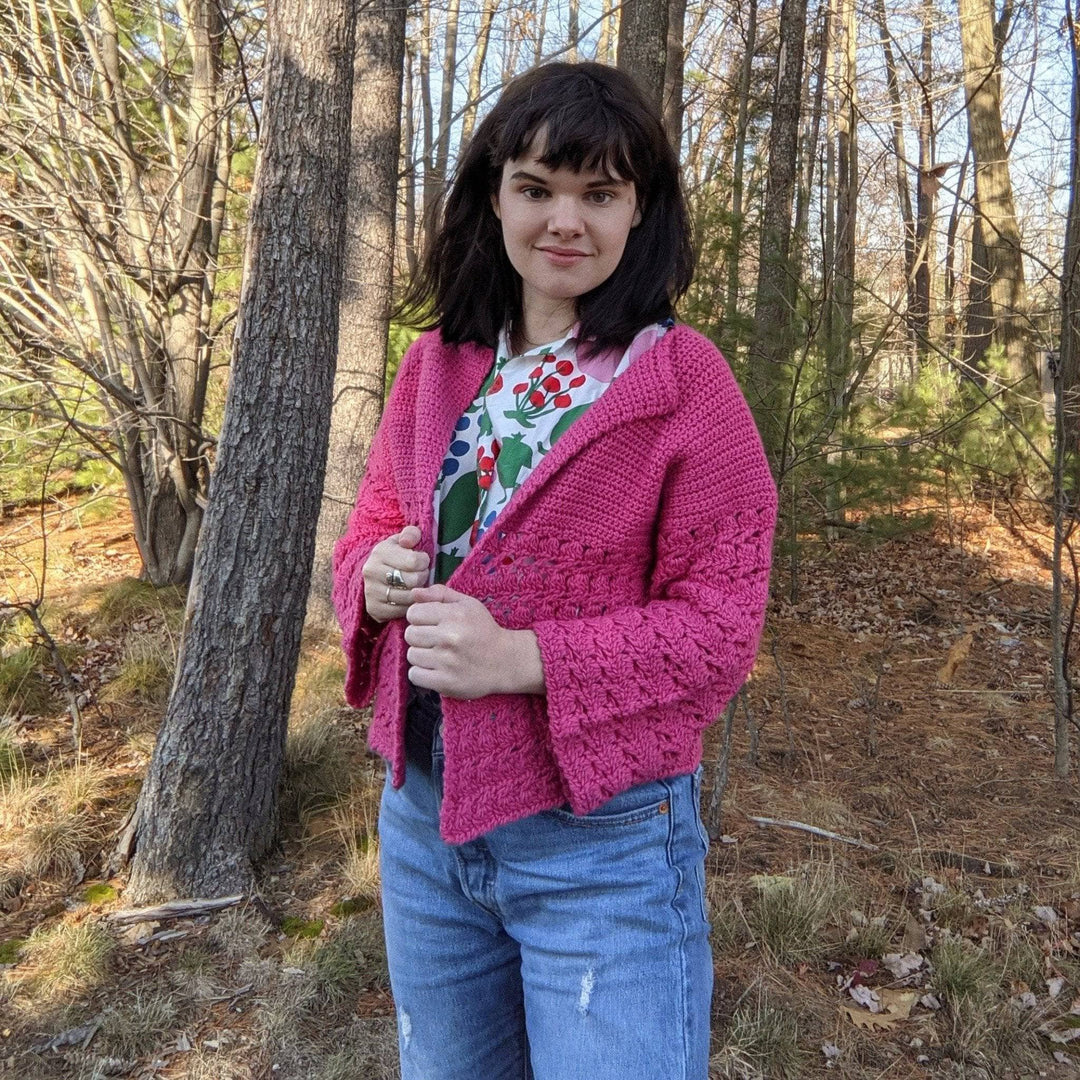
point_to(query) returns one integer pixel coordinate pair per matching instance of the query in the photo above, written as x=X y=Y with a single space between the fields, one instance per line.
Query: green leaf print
x=445 y=565
x=484 y=422
x=566 y=420
x=457 y=511
x=514 y=456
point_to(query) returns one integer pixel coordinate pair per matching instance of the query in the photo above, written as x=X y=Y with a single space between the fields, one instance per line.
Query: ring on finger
x=395 y=580
x=389 y=600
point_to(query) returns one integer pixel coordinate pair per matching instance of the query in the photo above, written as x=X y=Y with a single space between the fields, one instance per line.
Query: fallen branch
x=174 y=909
x=781 y=823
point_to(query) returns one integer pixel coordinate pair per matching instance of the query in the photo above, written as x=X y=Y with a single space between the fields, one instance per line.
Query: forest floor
x=900 y=700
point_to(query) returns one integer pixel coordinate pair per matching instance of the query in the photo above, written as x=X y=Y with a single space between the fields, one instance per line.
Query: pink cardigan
x=638 y=551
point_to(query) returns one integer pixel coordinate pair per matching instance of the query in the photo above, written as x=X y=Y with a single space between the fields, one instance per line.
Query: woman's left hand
x=457 y=649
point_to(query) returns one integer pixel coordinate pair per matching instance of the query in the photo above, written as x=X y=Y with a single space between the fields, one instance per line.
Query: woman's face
x=564 y=231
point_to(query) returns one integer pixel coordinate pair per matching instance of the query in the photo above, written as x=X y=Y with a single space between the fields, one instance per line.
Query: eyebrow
x=611 y=181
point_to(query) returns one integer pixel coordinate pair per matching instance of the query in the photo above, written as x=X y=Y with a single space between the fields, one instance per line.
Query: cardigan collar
x=451 y=377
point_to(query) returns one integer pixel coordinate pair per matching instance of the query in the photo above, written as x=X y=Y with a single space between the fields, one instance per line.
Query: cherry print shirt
x=525 y=404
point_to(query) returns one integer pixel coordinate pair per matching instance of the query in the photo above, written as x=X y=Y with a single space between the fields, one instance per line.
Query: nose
x=565 y=217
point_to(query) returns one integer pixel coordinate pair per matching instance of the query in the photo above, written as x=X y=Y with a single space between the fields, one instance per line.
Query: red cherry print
x=564 y=367
x=536 y=373
x=537 y=398
x=497 y=385
x=484 y=480
x=579 y=381
x=487 y=462
x=521 y=388
x=562 y=400
x=552 y=383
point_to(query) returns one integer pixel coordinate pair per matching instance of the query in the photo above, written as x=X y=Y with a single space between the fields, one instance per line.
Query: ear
x=495 y=204
x=637 y=217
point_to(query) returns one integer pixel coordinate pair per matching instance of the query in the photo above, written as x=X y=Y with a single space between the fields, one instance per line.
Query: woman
x=554 y=578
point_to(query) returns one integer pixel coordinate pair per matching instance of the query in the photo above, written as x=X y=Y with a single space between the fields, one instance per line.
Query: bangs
x=584 y=133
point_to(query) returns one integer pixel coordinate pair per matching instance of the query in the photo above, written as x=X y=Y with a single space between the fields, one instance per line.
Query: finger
x=425 y=637
x=409 y=537
x=426 y=679
x=423 y=613
x=437 y=594
x=401 y=558
x=422 y=658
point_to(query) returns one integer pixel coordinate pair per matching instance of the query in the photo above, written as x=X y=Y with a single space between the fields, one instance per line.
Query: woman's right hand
x=394 y=553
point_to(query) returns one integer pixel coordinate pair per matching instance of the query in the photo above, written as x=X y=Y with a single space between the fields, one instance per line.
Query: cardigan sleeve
x=695 y=637
x=376 y=515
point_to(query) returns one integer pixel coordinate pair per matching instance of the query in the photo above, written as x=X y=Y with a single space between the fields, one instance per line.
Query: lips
x=562 y=256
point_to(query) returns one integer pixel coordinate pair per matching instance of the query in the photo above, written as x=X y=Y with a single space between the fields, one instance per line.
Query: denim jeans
x=557 y=947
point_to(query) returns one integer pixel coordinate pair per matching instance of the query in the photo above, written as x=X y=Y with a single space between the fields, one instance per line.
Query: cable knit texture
x=638 y=551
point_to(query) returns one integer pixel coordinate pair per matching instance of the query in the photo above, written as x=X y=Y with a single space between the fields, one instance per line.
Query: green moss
x=295 y=927
x=351 y=905
x=10 y=949
x=99 y=894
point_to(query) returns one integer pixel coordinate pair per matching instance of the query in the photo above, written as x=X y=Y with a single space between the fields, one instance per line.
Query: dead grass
x=137 y=1022
x=50 y=822
x=23 y=687
x=130 y=600
x=760 y=1041
x=63 y=959
x=317 y=772
x=962 y=769
x=786 y=913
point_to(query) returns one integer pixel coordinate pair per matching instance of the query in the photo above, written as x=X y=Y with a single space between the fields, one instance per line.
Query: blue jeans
x=557 y=947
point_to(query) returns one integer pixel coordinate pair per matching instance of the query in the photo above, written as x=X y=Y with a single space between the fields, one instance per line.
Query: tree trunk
x=768 y=383
x=366 y=291
x=673 y=73
x=926 y=199
x=468 y=120
x=993 y=187
x=1069 y=356
x=208 y=808
x=738 y=208
x=643 y=44
x=903 y=187
x=838 y=357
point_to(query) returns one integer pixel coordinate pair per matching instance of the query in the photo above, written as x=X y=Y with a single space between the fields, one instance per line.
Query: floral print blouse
x=525 y=404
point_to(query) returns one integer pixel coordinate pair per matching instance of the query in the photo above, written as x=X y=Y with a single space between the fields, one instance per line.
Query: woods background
x=207 y=209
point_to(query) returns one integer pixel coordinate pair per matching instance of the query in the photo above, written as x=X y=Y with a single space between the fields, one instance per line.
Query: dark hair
x=592 y=117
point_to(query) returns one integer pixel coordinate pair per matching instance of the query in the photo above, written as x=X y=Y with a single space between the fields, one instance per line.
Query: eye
x=601 y=198
x=534 y=193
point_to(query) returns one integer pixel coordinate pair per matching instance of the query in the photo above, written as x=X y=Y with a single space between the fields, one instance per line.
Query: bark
x=838 y=355
x=368 y=280
x=1069 y=355
x=412 y=258
x=208 y=807
x=573 y=31
x=993 y=188
x=903 y=187
x=673 y=73
x=738 y=209
x=642 y=50
x=605 y=49
x=476 y=71
x=769 y=383
x=926 y=201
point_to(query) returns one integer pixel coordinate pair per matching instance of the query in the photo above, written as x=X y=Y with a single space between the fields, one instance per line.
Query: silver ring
x=395 y=580
x=392 y=603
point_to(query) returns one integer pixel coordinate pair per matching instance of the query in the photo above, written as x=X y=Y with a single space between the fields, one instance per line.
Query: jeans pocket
x=643 y=802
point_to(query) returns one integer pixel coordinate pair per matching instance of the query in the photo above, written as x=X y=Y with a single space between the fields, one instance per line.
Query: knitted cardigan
x=638 y=552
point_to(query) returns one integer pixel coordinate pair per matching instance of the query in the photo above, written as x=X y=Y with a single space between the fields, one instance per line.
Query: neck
x=541 y=323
